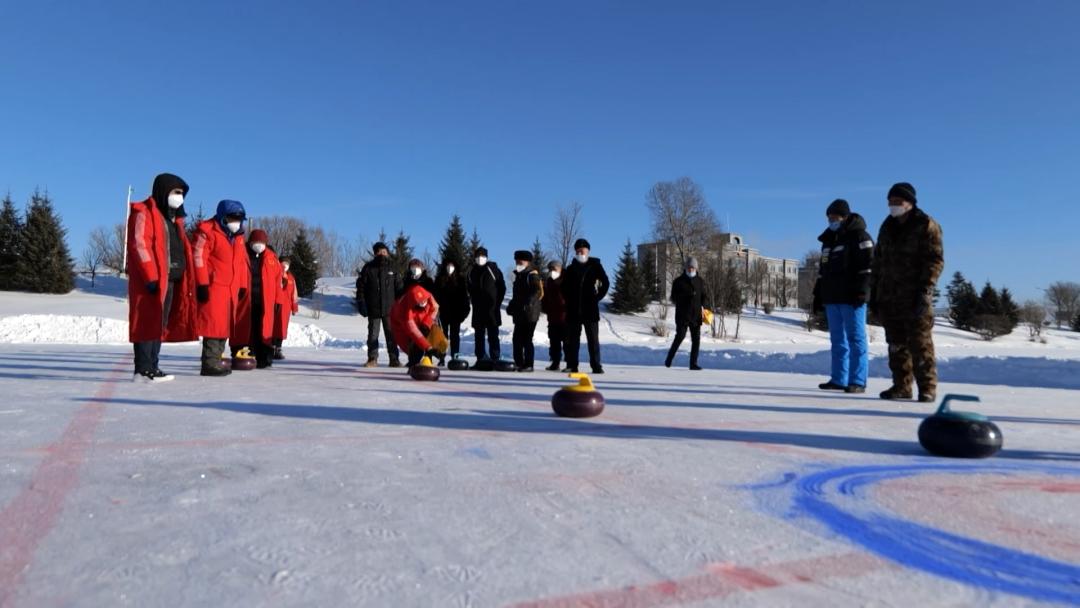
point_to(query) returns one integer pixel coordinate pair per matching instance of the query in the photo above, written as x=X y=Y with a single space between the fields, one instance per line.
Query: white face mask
x=897 y=210
x=285 y=267
x=555 y=274
x=481 y=261
x=582 y=257
x=449 y=270
x=416 y=272
x=233 y=227
x=175 y=200
x=258 y=247
x=521 y=267
x=691 y=273
x=422 y=304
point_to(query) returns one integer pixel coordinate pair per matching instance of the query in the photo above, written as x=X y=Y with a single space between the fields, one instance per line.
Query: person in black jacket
x=843 y=287
x=688 y=294
x=584 y=284
x=487 y=288
x=524 y=308
x=376 y=289
x=452 y=294
x=418 y=276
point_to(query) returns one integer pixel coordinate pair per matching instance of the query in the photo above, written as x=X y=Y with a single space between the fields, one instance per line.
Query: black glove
x=242 y=293
x=202 y=293
x=362 y=308
x=860 y=299
x=432 y=353
x=152 y=287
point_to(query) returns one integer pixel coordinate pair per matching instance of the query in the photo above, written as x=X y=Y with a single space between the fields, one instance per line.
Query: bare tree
x=91 y=258
x=1064 y=300
x=756 y=278
x=1033 y=315
x=681 y=216
x=567 y=228
x=110 y=246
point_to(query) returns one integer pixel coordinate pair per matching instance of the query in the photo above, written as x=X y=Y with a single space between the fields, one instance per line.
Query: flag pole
x=127 y=216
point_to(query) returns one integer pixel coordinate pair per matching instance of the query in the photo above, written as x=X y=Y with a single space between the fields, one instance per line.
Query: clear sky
x=369 y=115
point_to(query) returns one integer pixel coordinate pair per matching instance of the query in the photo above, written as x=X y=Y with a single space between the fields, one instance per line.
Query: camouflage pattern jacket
x=908 y=260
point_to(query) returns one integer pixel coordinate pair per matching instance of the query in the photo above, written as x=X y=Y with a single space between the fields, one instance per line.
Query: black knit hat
x=582 y=244
x=904 y=191
x=839 y=207
x=522 y=255
x=481 y=251
x=378 y=247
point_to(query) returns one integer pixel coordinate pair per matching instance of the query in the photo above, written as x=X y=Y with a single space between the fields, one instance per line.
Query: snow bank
x=62 y=329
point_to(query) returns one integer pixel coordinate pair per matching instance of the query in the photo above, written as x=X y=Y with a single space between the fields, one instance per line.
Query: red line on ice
x=28 y=519
x=720 y=581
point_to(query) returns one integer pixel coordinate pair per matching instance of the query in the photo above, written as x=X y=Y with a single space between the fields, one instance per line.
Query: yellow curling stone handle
x=244 y=353
x=584 y=384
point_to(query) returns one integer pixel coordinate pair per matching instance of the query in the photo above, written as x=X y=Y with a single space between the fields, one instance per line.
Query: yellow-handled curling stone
x=424 y=370
x=243 y=360
x=959 y=434
x=580 y=400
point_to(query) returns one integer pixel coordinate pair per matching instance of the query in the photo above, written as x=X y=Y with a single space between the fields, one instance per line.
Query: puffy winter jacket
x=688 y=295
x=584 y=285
x=288 y=304
x=908 y=259
x=221 y=263
x=846 y=258
x=453 y=296
x=524 y=305
x=377 y=287
x=268 y=282
x=409 y=323
x=487 y=288
x=553 y=303
x=148 y=254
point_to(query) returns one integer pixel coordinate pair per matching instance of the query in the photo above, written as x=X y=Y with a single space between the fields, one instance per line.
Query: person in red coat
x=161 y=279
x=411 y=319
x=256 y=311
x=288 y=304
x=222 y=278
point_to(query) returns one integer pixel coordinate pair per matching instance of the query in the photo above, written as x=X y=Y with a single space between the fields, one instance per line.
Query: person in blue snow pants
x=843 y=289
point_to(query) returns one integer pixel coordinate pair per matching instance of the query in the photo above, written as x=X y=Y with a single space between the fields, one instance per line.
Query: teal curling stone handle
x=943 y=410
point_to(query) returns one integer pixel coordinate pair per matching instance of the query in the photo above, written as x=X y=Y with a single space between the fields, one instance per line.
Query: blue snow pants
x=847 y=330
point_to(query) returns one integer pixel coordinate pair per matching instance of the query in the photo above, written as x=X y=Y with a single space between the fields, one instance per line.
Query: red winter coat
x=147 y=261
x=223 y=265
x=288 y=305
x=271 y=287
x=410 y=324
x=553 y=304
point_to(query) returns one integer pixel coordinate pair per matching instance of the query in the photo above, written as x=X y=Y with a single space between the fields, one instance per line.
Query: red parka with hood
x=270 y=279
x=288 y=305
x=148 y=261
x=221 y=264
x=409 y=321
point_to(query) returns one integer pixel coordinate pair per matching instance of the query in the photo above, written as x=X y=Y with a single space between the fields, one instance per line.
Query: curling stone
x=580 y=400
x=243 y=360
x=484 y=365
x=425 y=371
x=959 y=434
x=505 y=365
x=457 y=364
x=226 y=362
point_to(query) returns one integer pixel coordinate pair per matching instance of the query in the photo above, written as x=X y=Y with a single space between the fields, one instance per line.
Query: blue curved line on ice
x=962 y=559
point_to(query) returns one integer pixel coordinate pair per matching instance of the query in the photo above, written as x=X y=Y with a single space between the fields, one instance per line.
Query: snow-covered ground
x=320 y=483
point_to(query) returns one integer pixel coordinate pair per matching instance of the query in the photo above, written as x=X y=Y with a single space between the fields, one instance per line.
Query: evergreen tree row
x=990 y=312
x=34 y=254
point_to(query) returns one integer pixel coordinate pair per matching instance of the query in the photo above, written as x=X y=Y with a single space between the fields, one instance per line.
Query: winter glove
x=431 y=353
x=860 y=299
x=242 y=293
x=202 y=294
x=153 y=287
x=361 y=307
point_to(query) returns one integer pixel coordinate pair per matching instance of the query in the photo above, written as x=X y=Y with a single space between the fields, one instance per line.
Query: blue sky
x=362 y=116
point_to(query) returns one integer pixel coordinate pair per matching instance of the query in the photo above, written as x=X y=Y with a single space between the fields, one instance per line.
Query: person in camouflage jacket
x=908 y=259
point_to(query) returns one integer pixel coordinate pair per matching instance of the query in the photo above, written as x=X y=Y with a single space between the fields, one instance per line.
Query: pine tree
x=649 y=276
x=304 y=266
x=989 y=301
x=540 y=260
x=1009 y=308
x=44 y=264
x=452 y=247
x=11 y=234
x=1076 y=323
x=401 y=253
x=963 y=302
x=474 y=244
x=629 y=294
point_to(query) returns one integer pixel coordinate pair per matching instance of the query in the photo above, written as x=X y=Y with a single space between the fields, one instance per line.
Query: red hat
x=258 y=236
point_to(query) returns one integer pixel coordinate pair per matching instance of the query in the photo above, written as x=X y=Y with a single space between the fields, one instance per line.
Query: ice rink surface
x=319 y=483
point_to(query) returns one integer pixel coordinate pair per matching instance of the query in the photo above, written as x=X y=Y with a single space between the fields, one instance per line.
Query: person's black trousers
x=147 y=353
x=373 y=325
x=492 y=333
x=695 y=342
x=524 y=351
x=556 y=336
x=573 y=342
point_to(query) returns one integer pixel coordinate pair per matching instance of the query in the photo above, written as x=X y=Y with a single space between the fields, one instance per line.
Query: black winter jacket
x=584 y=285
x=524 y=306
x=452 y=294
x=688 y=295
x=424 y=281
x=377 y=287
x=846 y=257
x=487 y=288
